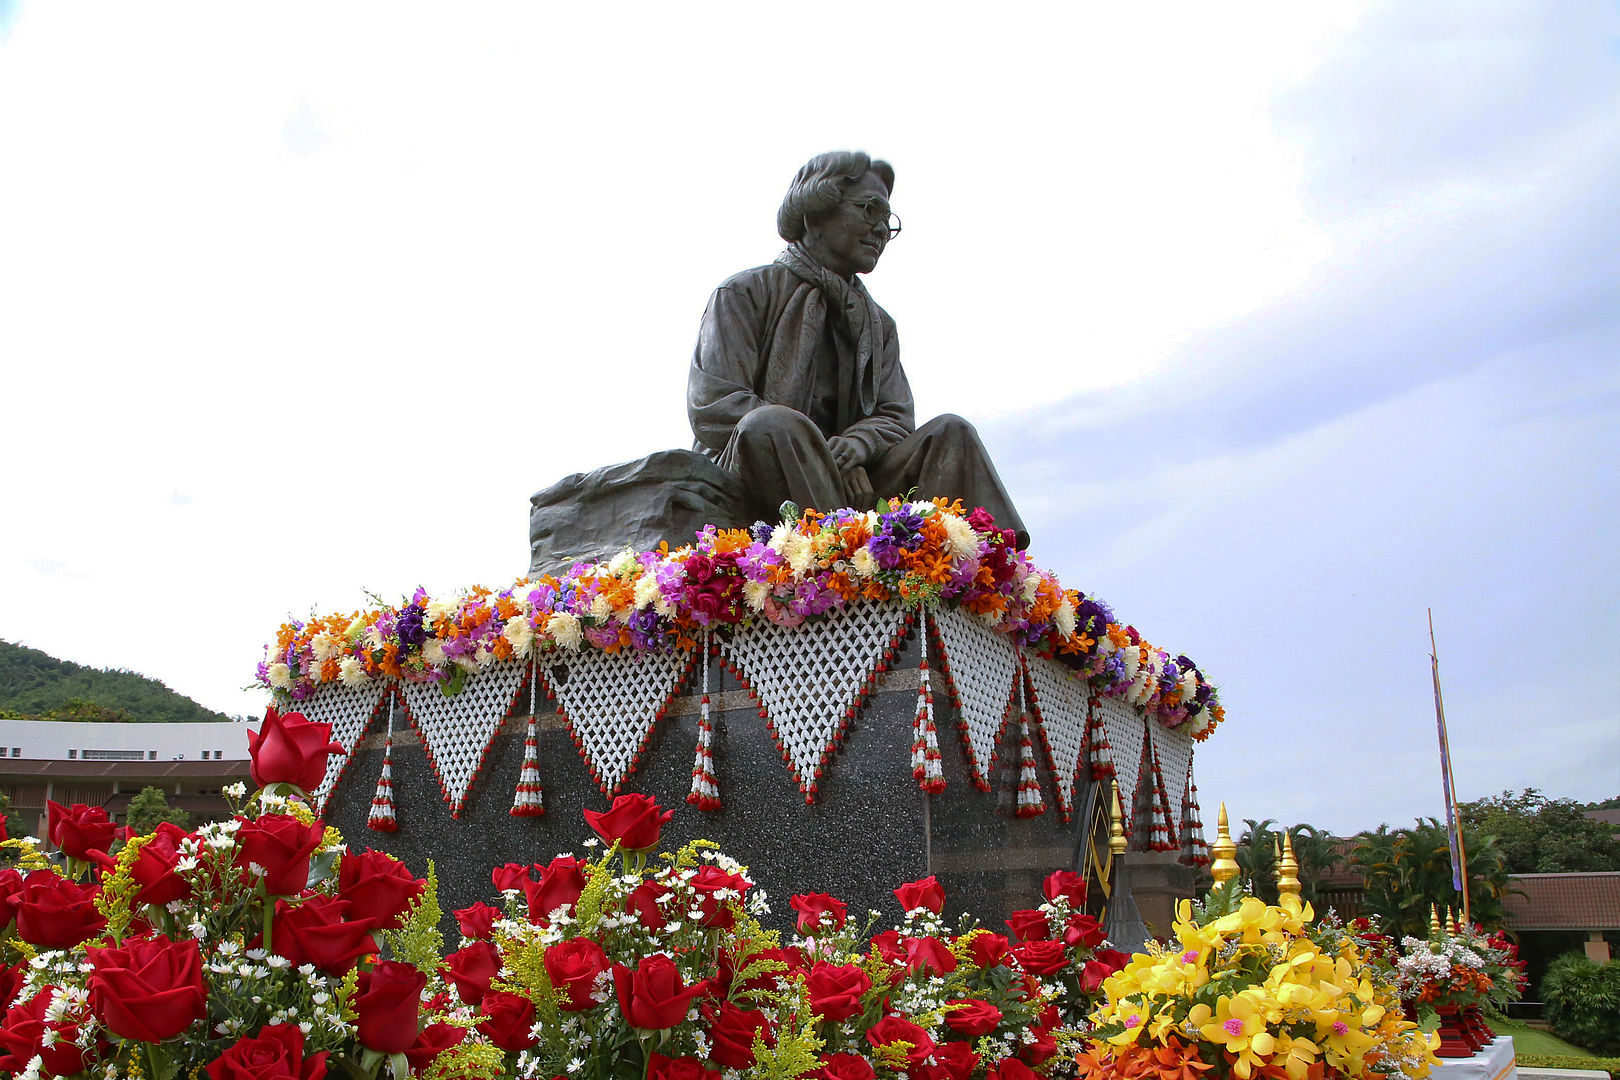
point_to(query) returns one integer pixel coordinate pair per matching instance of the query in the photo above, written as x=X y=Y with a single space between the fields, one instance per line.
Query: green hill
x=35 y=686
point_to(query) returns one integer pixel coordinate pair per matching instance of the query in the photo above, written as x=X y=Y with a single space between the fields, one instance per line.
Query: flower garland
x=807 y=567
x=1461 y=967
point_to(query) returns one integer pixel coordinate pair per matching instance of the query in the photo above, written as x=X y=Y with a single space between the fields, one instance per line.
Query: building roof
x=1564 y=901
x=13 y=768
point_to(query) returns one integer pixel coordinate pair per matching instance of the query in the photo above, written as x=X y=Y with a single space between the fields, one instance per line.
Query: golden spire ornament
x=1225 y=867
x=1287 y=869
x=1116 y=825
x=1434 y=920
x=1451 y=924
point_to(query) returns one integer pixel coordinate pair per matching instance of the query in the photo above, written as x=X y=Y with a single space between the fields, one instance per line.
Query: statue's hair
x=819 y=187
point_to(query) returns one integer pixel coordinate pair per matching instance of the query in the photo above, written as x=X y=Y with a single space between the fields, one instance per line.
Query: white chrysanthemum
x=647 y=591
x=440 y=610
x=1064 y=617
x=863 y=563
x=352 y=672
x=1131 y=655
x=1189 y=687
x=325 y=647
x=622 y=563
x=754 y=594
x=601 y=607
x=1105 y=644
x=800 y=554
x=564 y=630
x=960 y=539
x=780 y=537
x=433 y=652
x=373 y=637
x=519 y=634
x=281 y=676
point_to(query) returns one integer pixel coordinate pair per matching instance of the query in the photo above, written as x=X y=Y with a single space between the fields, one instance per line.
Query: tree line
x=37 y=686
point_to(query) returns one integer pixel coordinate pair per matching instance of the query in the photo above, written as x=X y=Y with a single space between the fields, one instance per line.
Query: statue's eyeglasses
x=876 y=212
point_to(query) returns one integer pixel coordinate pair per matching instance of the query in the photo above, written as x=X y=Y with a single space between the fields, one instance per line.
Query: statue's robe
x=775 y=375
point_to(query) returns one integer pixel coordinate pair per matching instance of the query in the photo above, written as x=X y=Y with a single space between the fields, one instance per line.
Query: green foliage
x=5 y=813
x=1408 y=872
x=1538 y=835
x=149 y=809
x=419 y=942
x=1583 y=1002
x=1256 y=858
x=35 y=686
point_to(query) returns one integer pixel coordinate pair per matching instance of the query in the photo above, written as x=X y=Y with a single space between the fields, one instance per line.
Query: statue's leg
x=780 y=455
x=945 y=458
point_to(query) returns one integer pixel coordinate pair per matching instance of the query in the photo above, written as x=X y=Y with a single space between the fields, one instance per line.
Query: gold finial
x=1287 y=869
x=1276 y=858
x=1434 y=920
x=1451 y=924
x=1225 y=867
x=1116 y=826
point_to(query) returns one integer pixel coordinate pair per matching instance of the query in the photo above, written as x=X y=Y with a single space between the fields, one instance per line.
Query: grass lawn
x=1530 y=1041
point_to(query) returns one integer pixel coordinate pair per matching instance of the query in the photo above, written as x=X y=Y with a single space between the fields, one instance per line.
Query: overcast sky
x=1283 y=326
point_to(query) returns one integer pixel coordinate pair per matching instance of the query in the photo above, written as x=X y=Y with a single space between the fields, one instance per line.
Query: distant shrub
x=1583 y=1002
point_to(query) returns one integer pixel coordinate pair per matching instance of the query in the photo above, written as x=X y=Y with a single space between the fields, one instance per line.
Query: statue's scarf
x=855 y=314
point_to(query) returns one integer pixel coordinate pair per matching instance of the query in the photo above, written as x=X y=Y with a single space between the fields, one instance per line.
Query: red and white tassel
x=1030 y=801
x=926 y=765
x=705 y=794
x=382 y=817
x=529 y=799
x=1194 y=848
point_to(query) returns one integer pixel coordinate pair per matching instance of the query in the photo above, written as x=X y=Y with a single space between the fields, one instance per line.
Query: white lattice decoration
x=1175 y=749
x=981 y=666
x=1127 y=734
x=611 y=702
x=456 y=731
x=809 y=679
x=1060 y=712
x=349 y=711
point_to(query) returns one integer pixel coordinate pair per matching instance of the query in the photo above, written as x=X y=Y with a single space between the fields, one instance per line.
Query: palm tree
x=1408 y=873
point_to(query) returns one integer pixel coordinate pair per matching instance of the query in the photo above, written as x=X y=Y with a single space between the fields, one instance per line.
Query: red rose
x=1011 y=1069
x=643 y=900
x=79 y=829
x=952 y=1061
x=321 y=931
x=472 y=969
x=11 y=881
x=24 y=1031
x=930 y=953
x=888 y=946
x=1067 y=884
x=1112 y=957
x=1029 y=925
x=148 y=989
x=1038 y=1051
x=1102 y=964
x=927 y=894
x=434 y=1040
x=572 y=966
x=892 y=1029
x=478 y=921
x=681 y=1068
x=836 y=991
x=718 y=894
x=987 y=950
x=11 y=982
x=1082 y=929
x=511 y=876
x=275 y=1053
x=653 y=996
x=633 y=820
x=388 y=1001
x=289 y=749
x=281 y=845
x=508 y=1018
x=55 y=913
x=378 y=887
x=844 y=1067
x=1042 y=957
x=819 y=911
x=559 y=886
x=731 y=1035
x=154 y=867
x=972 y=1018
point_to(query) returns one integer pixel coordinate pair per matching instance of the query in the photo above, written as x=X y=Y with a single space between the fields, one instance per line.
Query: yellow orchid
x=1295 y=1055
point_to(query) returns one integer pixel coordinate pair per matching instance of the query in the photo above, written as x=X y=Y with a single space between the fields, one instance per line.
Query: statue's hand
x=858 y=488
x=845 y=452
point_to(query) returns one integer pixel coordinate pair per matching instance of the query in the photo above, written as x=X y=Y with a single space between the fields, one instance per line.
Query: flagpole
x=1459 y=854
